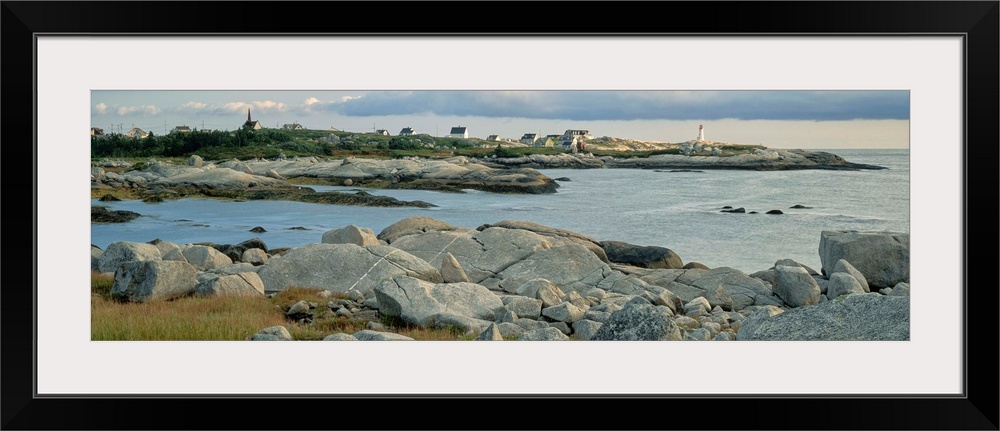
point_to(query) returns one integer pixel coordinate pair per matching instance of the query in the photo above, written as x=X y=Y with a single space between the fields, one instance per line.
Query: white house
x=136 y=132
x=529 y=138
x=293 y=126
x=579 y=134
x=96 y=131
x=459 y=132
x=382 y=132
x=406 y=131
x=180 y=129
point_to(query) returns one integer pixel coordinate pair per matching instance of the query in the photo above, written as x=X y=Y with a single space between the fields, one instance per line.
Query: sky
x=776 y=119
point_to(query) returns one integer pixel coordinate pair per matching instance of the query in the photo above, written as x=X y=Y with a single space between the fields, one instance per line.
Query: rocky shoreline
x=517 y=280
x=758 y=160
x=287 y=178
x=270 y=180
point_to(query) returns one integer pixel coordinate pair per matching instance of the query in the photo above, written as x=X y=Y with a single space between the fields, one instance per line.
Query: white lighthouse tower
x=701 y=132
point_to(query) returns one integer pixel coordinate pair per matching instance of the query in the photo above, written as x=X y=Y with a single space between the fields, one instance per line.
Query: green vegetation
x=246 y=144
x=235 y=318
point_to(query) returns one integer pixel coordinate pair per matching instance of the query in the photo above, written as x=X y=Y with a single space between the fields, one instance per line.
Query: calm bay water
x=677 y=210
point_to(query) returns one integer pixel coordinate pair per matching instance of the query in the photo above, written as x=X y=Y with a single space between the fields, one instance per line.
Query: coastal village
x=570 y=140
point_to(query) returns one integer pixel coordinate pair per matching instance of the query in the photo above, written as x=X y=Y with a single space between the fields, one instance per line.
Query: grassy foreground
x=223 y=318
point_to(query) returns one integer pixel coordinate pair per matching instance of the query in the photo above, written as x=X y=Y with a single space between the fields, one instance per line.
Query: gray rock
x=417 y=301
x=685 y=322
x=578 y=300
x=530 y=324
x=597 y=316
x=790 y=262
x=564 y=312
x=724 y=336
x=452 y=271
x=846 y=267
x=858 y=317
x=350 y=234
x=508 y=329
x=562 y=327
x=698 y=334
x=571 y=267
x=480 y=254
x=339 y=336
x=642 y=256
x=242 y=284
x=901 y=289
x=412 y=226
x=234 y=269
x=585 y=329
x=638 y=323
x=254 y=256
x=492 y=333
x=541 y=289
x=697 y=307
x=795 y=286
x=142 y=281
x=882 y=257
x=205 y=257
x=195 y=161
x=842 y=283
x=464 y=324
x=342 y=268
x=543 y=334
x=369 y=335
x=95 y=257
x=375 y=326
x=523 y=306
x=124 y=251
x=558 y=237
x=273 y=333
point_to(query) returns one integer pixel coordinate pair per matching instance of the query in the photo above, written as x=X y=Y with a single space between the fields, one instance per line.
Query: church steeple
x=248 y=115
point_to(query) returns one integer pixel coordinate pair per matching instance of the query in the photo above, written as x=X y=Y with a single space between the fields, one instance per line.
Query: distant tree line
x=182 y=144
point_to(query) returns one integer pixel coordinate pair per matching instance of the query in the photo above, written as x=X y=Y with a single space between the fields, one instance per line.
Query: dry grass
x=231 y=318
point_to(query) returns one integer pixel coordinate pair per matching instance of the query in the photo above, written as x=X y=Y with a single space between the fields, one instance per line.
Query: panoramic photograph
x=500 y=215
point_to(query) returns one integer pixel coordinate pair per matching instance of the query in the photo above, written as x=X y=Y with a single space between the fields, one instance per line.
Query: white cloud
x=196 y=106
x=311 y=101
x=101 y=108
x=146 y=109
x=260 y=106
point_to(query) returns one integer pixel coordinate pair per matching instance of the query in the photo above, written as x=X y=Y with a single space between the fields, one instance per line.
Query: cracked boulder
x=571 y=267
x=419 y=302
x=343 y=268
x=481 y=254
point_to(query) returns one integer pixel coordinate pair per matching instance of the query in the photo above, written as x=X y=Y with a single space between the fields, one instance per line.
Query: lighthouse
x=701 y=132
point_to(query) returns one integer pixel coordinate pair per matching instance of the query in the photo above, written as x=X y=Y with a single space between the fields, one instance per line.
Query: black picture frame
x=976 y=21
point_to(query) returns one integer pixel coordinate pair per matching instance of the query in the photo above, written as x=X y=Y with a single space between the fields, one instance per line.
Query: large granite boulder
x=350 y=234
x=124 y=251
x=343 y=268
x=242 y=284
x=481 y=254
x=142 y=281
x=882 y=257
x=795 y=286
x=858 y=317
x=204 y=257
x=570 y=267
x=556 y=236
x=638 y=322
x=642 y=256
x=412 y=226
x=418 y=302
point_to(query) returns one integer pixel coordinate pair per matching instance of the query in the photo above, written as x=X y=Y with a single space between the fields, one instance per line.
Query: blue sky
x=778 y=119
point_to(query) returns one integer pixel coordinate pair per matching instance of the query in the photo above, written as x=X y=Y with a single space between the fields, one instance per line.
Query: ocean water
x=677 y=210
